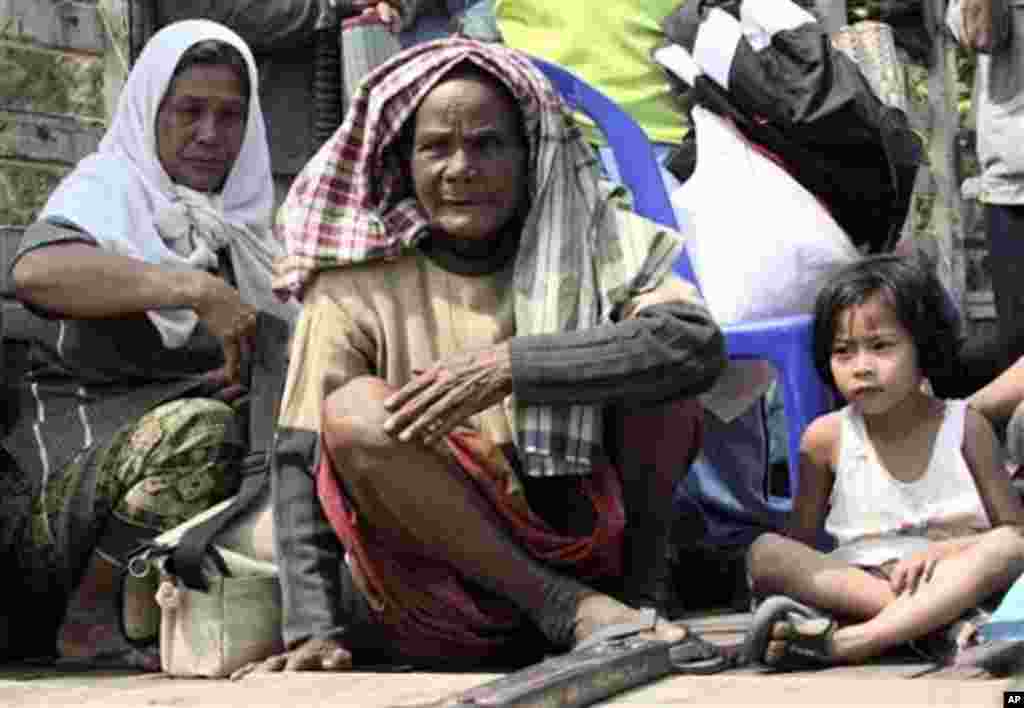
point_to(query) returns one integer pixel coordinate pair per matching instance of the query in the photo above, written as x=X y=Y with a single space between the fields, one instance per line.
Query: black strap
x=265 y=372
x=186 y=559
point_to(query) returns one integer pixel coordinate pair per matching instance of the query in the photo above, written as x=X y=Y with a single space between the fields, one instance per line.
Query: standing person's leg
x=1004 y=226
x=982 y=358
x=418 y=498
x=152 y=475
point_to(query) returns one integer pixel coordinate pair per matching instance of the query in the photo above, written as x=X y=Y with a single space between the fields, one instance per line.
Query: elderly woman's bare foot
x=596 y=612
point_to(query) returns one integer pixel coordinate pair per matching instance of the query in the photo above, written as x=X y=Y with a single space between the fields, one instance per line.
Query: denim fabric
x=728 y=483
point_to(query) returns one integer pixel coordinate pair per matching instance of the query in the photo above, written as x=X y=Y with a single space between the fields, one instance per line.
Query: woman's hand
x=313 y=655
x=440 y=398
x=215 y=385
x=233 y=322
x=907 y=574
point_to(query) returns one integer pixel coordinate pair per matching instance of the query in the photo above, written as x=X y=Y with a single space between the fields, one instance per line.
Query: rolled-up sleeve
x=665 y=346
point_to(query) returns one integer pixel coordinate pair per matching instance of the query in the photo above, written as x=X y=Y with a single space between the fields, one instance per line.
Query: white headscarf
x=122 y=196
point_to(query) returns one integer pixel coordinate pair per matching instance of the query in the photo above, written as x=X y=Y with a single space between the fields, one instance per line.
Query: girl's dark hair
x=216 y=53
x=916 y=296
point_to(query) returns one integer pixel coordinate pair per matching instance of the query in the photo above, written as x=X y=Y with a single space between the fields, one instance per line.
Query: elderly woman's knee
x=353 y=422
x=362 y=398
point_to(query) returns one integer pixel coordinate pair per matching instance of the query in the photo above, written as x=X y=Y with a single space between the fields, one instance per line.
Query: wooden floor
x=890 y=682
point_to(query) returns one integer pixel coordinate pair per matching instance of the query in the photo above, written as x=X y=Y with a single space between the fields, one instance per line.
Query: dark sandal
x=809 y=648
x=690 y=655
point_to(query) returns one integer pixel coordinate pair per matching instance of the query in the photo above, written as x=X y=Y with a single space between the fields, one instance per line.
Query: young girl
x=911 y=487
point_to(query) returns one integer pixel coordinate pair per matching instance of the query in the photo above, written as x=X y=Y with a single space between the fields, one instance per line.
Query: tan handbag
x=219 y=609
x=214 y=632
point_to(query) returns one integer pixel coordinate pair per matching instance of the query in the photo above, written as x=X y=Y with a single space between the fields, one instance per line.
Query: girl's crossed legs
x=875 y=618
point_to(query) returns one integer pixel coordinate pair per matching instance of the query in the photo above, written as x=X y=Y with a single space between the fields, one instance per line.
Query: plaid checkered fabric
x=575 y=265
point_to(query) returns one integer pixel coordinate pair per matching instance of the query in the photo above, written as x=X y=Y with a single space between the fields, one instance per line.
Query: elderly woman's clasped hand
x=435 y=401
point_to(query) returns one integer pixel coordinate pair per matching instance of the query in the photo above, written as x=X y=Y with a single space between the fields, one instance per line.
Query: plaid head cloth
x=575 y=265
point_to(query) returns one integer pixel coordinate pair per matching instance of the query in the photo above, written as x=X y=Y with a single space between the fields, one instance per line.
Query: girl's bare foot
x=810 y=639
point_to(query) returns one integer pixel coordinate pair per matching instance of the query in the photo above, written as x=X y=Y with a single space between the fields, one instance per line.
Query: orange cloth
x=425 y=609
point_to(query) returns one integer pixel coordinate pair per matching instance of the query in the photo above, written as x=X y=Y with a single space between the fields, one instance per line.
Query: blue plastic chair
x=784 y=341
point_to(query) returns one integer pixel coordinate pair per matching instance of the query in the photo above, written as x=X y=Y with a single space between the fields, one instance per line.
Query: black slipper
x=809 y=649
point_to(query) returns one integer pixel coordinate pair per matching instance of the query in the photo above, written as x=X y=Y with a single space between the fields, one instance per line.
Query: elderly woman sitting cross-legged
x=126 y=410
x=491 y=382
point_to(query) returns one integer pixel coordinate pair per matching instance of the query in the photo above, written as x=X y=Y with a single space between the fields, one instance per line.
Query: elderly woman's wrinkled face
x=200 y=126
x=469 y=158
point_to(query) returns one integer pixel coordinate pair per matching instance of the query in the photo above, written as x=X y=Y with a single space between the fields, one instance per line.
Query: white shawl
x=120 y=193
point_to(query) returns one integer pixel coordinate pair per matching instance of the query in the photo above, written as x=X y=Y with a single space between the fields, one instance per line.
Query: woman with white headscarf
x=149 y=267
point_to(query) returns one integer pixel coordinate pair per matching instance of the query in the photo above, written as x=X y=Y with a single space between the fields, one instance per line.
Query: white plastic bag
x=762 y=245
